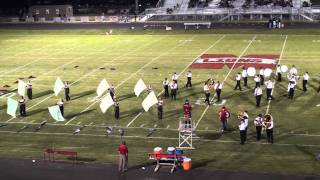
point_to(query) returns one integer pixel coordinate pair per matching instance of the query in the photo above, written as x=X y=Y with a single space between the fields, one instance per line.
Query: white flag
x=12 y=106
x=106 y=102
x=139 y=87
x=56 y=113
x=149 y=101
x=58 y=86
x=103 y=86
x=21 y=88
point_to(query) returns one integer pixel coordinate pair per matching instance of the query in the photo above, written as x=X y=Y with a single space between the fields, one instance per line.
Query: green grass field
x=51 y=54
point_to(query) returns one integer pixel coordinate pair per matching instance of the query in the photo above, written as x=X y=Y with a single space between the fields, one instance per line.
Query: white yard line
x=215 y=43
x=234 y=64
x=162 y=138
x=133 y=74
x=279 y=62
x=86 y=75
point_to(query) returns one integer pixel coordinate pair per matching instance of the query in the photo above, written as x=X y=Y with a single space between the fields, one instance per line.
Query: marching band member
x=305 y=81
x=218 y=88
x=238 y=85
x=245 y=76
x=160 y=108
x=61 y=106
x=189 y=77
x=268 y=124
x=223 y=116
x=29 y=89
x=206 y=92
x=261 y=75
x=175 y=78
x=242 y=129
x=258 y=124
x=66 y=90
x=22 y=107
x=187 y=113
x=279 y=73
x=258 y=95
x=291 y=88
x=246 y=122
x=149 y=89
x=174 y=88
x=257 y=79
x=269 y=85
x=111 y=91
x=165 y=84
x=293 y=70
x=116 y=109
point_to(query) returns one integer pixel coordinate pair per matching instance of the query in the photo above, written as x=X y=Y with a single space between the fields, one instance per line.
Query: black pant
x=207 y=94
x=173 y=94
x=160 y=112
x=279 y=77
x=257 y=84
x=270 y=135
x=291 y=93
x=29 y=93
x=242 y=136
x=269 y=96
x=66 y=94
x=117 y=112
x=22 y=110
x=166 y=91
x=61 y=110
x=218 y=91
x=304 y=85
x=258 y=100
x=189 y=82
x=258 y=131
x=245 y=134
x=245 y=80
x=112 y=95
x=238 y=85
x=262 y=79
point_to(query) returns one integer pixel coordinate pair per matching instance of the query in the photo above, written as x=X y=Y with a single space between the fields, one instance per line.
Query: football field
x=122 y=59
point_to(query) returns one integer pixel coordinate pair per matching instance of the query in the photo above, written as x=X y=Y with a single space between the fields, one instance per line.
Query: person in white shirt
x=245 y=76
x=269 y=85
x=206 y=91
x=291 y=88
x=305 y=81
x=257 y=79
x=149 y=89
x=258 y=95
x=238 y=85
x=160 y=108
x=61 y=106
x=246 y=121
x=111 y=90
x=165 y=84
x=173 y=87
x=218 y=88
x=258 y=124
x=279 y=75
x=242 y=129
x=175 y=78
x=268 y=124
x=189 y=77
x=261 y=75
x=22 y=107
x=293 y=70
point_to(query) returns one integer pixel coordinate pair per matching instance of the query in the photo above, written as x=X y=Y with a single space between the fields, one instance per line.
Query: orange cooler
x=186 y=164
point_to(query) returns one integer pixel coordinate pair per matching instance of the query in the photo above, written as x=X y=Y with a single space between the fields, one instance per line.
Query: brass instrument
x=240 y=115
x=267 y=120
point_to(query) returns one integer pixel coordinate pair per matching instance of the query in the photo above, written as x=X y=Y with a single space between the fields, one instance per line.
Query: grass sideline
x=296 y=123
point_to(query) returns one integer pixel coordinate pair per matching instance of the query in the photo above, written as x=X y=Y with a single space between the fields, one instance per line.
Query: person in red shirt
x=223 y=116
x=123 y=156
x=187 y=113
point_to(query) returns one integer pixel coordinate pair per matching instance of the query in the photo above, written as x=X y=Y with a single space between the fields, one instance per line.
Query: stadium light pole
x=137 y=7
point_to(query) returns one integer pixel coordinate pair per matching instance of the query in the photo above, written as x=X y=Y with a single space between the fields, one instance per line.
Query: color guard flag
x=106 y=102
x=56 y=113
x=58 y=86
x=21 y=88
x=139 y=87
x=103 y=86
x=149 y=101
x=12 y=106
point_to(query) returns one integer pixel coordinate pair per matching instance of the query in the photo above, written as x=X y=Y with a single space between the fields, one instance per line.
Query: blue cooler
x=179 y=152
x=171 y=150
